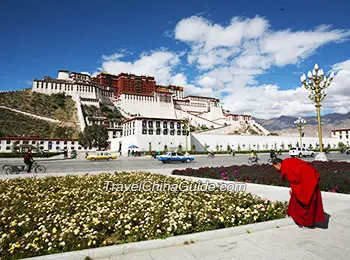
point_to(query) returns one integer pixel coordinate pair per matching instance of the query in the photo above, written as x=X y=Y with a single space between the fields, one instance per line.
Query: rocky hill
x=284 y=125
x=22 y=113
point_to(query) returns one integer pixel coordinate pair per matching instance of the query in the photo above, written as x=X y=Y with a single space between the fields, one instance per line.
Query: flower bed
x=335 y=176
x=59 y=214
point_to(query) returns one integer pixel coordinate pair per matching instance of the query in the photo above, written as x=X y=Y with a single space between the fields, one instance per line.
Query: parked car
x=101 y=156
x=347 y=151
x=175 y=157
x=300 y=152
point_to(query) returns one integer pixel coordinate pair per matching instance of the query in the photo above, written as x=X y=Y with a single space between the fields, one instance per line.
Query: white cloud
x=289 y=47
x=227 y=59
x=201 y=31
x=338 y=97
x=112 y=57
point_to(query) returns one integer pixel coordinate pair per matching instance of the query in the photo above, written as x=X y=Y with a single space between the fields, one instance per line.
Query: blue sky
x=41 y=37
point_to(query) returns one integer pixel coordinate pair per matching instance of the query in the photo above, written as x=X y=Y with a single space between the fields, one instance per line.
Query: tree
x=228 y=148
x=179 y=148
x=94 y=136
x=341 y=145
x=217 y=147
x=15 y=147
x=193 y=148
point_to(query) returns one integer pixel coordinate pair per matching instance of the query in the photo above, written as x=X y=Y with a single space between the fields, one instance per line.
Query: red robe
x=305 y=204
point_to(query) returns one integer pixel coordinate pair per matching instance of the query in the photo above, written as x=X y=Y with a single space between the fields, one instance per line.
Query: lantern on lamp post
x=300 y=123
x=316 y=85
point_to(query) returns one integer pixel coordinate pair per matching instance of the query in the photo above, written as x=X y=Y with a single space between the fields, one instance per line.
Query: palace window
x=157 y=124
x=178 y=132
x=178 y=125
x=171 y=124
x=165 y=125
x=144 y=131
x=150 y=124
x=158 y=131
x=172 y=132
x=150 y=131
x=184 y=132
x=144 y=123
x=57 y=142
x=165 y=131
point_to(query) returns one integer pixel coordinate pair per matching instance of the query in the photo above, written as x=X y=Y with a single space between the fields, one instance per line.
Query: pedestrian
x=305 y=204
x=65 y=154
x=28 y=160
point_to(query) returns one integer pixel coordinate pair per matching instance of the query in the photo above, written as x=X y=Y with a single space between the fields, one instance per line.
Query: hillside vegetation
x=103 y=111
x=56 y=106
x=16 y=124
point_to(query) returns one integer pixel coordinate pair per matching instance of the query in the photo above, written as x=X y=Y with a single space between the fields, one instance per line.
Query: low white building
x=342 y=134
x=151 y=134
x=246 y=143
x=7 y=144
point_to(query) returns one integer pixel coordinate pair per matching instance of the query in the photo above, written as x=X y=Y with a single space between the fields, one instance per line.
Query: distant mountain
x=284 y=125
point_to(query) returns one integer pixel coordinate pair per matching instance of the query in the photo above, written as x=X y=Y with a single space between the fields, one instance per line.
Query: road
x=131 y=163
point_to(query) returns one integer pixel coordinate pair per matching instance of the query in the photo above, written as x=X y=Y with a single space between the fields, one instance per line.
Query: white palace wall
x=147 y=106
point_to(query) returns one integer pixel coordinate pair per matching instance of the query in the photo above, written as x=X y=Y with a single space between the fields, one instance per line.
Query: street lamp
x=317 y=84
x=300 y=123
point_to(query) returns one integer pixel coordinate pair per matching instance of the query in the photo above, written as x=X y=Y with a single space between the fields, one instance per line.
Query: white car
x=300 y=152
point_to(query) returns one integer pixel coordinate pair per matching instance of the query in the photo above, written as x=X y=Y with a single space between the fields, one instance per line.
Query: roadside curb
x=135 y=247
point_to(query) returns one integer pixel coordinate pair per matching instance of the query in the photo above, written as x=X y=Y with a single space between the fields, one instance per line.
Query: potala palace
x=155 y=115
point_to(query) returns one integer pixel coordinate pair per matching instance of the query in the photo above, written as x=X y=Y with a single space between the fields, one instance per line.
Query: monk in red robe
x=305 y=204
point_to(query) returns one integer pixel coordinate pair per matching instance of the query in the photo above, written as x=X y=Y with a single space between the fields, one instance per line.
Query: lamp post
x=316 y=84
x=300 y=123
